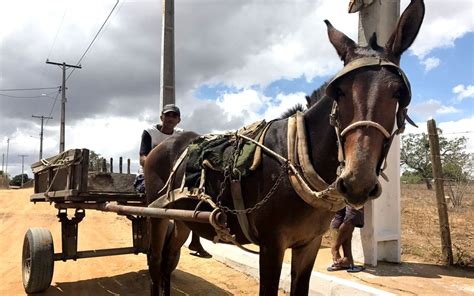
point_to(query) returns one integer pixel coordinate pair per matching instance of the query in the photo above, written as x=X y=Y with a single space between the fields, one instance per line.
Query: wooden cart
x=65 y=181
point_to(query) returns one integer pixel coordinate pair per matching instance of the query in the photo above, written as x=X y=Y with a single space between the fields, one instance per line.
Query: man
x=151 y=137
x=342 y=226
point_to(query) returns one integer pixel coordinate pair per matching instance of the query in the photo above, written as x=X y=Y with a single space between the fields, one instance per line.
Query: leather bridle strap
x=366 y=123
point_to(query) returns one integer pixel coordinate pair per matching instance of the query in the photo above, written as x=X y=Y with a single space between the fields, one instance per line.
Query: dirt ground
x=420 y=226
x=420 y=273
x=112 y=275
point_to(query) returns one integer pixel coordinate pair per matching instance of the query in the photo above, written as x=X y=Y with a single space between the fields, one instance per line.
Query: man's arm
x=145 y=147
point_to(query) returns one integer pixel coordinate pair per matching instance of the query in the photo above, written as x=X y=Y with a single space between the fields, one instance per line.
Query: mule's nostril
x=340 y=186
x=375 y=192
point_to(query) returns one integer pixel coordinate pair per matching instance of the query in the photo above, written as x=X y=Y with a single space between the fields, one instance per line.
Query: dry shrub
x=420 y=227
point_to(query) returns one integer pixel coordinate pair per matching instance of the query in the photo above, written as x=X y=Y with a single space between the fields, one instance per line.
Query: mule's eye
x=339 y=93
x=397 y=95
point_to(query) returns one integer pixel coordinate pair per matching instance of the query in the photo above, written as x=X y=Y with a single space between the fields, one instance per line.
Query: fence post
x=128 y=166
x=111 y=165
x=120 y=164
x=104 y=165
x=446 y=248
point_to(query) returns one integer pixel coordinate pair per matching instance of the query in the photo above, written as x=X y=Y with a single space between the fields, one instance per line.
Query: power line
x=95 y=37
x=52 y=108
x=34 y=88
x=29 y=97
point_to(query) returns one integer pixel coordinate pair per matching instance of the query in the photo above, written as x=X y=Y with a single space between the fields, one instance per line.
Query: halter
x=401 y=112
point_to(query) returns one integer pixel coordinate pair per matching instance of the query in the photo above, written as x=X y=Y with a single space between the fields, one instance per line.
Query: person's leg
x=196 y=246
x=345 y=235
x=335 y=239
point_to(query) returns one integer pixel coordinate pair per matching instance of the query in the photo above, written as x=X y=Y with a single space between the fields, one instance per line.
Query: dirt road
x=113 y=275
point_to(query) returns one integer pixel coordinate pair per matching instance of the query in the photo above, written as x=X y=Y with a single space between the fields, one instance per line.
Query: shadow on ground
x=419 y=270
x=134 y=283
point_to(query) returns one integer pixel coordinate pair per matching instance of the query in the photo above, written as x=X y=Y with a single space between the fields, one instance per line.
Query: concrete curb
x=320 y=284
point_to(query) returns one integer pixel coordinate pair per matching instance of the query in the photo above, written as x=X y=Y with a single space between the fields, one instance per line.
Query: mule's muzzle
x=357 y=192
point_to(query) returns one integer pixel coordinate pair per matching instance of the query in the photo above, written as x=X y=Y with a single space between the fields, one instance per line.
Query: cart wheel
x=169 y=233
x=38 y=260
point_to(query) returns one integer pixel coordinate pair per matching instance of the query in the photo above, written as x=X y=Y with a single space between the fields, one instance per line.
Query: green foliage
x=16 y=181
x=409 y=177
x=415 y=157
x=95 y=161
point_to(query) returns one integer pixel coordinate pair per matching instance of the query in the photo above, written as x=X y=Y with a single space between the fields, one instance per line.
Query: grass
x=421 y=240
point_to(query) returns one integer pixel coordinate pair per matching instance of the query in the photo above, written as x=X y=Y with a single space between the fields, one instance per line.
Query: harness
x=302 y=176
x=401 y=116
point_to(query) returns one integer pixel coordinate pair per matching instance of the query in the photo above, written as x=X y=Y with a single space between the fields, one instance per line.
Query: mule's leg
x=271 y=259
x=157 y=234
x=173 y=246
x=302 y=261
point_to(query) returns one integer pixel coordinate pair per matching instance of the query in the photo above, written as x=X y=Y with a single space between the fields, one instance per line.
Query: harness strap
x=366 y=123
x=325 y=195
x=236 y=192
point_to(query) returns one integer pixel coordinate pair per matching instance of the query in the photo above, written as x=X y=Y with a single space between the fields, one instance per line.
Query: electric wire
x=92 y=42
x=33 y=88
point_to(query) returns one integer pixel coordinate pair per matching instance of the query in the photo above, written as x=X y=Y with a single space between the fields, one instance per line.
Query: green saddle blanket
x=215 y=152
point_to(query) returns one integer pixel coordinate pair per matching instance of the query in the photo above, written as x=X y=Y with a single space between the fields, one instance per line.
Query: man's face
x=170 y=119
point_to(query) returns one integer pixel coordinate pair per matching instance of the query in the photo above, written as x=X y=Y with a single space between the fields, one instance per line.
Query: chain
x=272 y=190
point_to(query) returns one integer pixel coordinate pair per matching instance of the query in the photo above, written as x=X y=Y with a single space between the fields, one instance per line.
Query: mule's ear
x=407 y=28
x=343 y=44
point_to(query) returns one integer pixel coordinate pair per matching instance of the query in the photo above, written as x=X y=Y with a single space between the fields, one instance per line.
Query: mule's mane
x=317 y=95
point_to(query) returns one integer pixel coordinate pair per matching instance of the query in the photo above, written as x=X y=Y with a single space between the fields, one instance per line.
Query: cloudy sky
x=236 y=61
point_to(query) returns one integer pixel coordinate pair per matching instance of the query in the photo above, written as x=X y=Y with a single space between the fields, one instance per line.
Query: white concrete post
x=380 y=237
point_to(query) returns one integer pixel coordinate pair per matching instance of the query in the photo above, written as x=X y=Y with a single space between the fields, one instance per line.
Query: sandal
x=201 y=254
x=355 y=268
x=337 y=267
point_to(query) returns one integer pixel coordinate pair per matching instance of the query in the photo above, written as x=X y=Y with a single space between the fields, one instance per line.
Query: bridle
x=401 y=116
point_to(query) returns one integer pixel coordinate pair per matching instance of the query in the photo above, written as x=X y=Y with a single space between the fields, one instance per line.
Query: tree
x=415 y=157
x=95 y=161
x=16 y=181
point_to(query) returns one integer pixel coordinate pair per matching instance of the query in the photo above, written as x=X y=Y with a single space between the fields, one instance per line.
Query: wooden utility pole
x=446 y=248
x=41 y=133
x=22 y=166
x=6 y=163
x=167 y=85
x=63 y=101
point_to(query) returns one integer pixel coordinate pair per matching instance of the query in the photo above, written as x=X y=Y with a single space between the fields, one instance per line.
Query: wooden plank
x=110 y=182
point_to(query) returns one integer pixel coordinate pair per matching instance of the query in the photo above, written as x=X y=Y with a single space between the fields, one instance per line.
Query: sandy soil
x=113 y=275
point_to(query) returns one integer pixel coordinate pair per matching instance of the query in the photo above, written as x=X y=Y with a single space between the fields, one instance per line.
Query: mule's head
x=371 y=94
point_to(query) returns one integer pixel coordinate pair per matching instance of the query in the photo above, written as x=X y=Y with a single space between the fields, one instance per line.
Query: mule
x=348 y=131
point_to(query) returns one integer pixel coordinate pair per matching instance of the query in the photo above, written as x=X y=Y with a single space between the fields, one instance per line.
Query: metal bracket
x=139 y=233
x=69 y=232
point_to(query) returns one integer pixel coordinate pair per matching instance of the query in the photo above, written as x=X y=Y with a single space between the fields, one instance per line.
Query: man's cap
x=171 y=108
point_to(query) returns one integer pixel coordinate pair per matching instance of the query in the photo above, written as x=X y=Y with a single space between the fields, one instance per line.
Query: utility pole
x=3 y=162
x=63 y=101
x=167 y=85
x=6 y=164
x=22 y=166
x=41 y=133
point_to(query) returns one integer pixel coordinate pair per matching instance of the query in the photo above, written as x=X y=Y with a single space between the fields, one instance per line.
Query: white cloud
x=464 y=91
x=430 y=63
x=431 y=107
x=451 y=129
x=445 y=21
x=282 y=103
x=247 y=103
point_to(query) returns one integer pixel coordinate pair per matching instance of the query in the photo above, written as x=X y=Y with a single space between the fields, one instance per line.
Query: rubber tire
x=37 y=260
x=169 y=233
